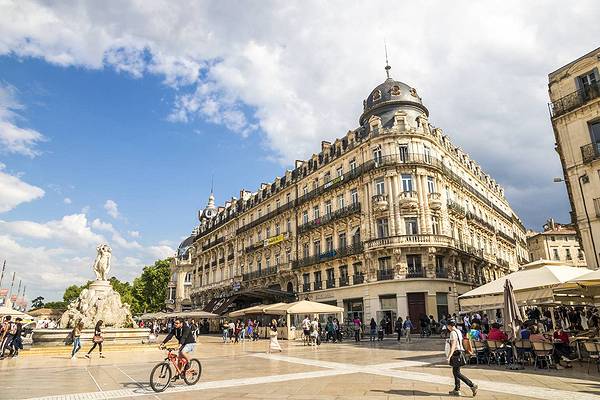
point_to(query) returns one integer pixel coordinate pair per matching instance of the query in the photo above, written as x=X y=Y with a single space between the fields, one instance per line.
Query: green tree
x=61 y=305
x=125 y=290
x=73 y=291
x=149 y=289
x=38 y=302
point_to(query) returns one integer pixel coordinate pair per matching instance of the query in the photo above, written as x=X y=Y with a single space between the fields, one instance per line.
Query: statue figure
x=102 y=263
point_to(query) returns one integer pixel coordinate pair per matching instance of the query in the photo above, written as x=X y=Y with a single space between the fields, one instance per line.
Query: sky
x=115 y=117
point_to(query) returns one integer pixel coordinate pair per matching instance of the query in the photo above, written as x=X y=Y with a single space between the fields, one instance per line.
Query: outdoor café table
x=578 y=340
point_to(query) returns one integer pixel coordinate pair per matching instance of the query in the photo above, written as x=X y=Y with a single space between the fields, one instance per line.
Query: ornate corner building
x=390 y=220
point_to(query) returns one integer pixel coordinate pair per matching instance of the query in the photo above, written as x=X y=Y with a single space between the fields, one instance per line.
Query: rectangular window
x=579 y=254
x=327 y=177
x=407 y=185
x=288 y=198
x=403 y=152
x=568 y=254
x=377 y=156
x=555 y=254
x=259 y=235
x=430 y=184
x=277 y=204
x=385 y=263
x=414 y=265
x=317 y=247
x=268 y=234
x=343 y=271
x=587 y=80
x=305 y=190
x=411 y=225
x=357 y=268
x=277 y=229
x=268 y=208
x=379 y=186
x=595 y=132
x=382 y=227
x=442 y=304
x=439 y=263
x=305 y=250
x=340 y=201
x=305 y=217
x=306 y=279
x=427 y=154
x=329 y=244
x=341 y=240
x=435 y=225
x=340 y=171
x=354 y=196
x=259 y=213
x=352 y=165
x=318 y=276
x=330 y=275
x=289 y=224
x=328 y=207
x=316 y=213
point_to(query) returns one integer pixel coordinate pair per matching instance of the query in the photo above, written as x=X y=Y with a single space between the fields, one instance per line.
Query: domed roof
x=391 y=92
x=185 y=246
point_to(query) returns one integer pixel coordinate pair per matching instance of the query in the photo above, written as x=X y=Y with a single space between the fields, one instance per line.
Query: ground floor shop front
x=388 y=300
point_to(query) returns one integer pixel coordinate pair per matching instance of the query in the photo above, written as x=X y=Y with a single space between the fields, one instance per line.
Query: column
x=394 y=203
x=391 y=206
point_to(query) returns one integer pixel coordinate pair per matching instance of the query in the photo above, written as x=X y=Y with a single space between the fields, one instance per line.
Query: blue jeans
x=225 y=334
x=76 y=346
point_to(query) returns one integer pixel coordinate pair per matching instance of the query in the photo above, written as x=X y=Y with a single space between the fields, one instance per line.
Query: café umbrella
x=511 y=315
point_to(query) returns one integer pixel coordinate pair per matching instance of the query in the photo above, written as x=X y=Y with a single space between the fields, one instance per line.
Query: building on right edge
x=558 y=242
x=575 y=112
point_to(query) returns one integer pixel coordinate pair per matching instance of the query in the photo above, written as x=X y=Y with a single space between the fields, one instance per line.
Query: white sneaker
x=73 y=358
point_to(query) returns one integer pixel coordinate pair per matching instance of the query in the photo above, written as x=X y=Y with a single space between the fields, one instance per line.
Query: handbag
x=457 y=359
x=98 y=339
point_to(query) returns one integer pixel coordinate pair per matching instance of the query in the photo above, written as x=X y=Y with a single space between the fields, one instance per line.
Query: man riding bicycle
x=187 y=343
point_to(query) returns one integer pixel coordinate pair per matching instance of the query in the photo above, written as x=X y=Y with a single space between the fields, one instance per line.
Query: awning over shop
x=305 y=307
x=533 y=284
x=255 y=310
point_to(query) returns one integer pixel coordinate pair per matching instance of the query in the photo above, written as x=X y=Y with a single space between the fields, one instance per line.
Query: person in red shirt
x=497 y=334
x=562 y=349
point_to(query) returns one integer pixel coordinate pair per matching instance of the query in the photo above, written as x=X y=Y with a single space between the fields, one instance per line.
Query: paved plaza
x=383 y=370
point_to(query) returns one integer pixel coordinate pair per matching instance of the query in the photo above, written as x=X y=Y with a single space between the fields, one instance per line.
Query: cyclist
x=183 y=333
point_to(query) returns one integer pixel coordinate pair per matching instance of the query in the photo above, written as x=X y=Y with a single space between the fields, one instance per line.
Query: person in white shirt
x=306 y=330
x=314 y=327
x=455 y=359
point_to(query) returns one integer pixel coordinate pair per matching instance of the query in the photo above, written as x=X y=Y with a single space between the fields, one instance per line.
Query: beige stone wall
x=572 y=132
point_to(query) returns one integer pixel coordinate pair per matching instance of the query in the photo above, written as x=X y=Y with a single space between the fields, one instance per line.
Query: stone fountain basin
x=58 y=337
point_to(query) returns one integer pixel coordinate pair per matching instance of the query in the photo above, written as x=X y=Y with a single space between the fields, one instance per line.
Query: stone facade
x=392 y=219
x=575 y=112
x=557 y=243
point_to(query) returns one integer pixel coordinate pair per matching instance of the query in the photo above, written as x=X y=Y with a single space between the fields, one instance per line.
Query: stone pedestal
x=98 y=302
x=58 y=337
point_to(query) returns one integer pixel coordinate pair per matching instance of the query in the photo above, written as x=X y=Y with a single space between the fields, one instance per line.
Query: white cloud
x=14 y=191
x=67 y=200
x=15 y=139
x=112 y=208
x=133 y=234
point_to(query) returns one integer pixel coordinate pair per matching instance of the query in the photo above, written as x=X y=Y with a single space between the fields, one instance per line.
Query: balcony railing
x=330 y=284
x=358 y=279
x=590 y=152
x=574 y=100
x=327 y=218
x=259 y=274
x=344 y=281
x=502 y=262
x=415 y=273
x=306 y=287
x=318 y=285
x=266 y=217
x=379 y=198
x=213 y=243
x=456 y=208
x=441 y=273
x=409 y=240
x=506 y=237
x=385 y=274
x=329 y=255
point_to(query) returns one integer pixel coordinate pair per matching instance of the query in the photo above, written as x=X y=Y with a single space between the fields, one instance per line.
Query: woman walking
x=98 y=339
x=76 y=333
x=455 y=360
x=373 y=330
x=273 y=343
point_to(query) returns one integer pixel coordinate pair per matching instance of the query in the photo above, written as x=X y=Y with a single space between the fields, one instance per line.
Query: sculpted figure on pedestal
x=102 y=263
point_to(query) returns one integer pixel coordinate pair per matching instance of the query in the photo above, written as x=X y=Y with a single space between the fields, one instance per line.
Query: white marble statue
x=99 y=301
x=102 y=263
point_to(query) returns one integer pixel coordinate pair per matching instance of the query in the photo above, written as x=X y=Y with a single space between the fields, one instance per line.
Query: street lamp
x=585 y=179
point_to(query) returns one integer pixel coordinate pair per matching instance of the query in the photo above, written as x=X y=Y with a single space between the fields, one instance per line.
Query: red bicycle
x=162 y=373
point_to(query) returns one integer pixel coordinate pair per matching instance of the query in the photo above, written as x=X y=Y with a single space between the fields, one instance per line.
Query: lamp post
x=585 y=178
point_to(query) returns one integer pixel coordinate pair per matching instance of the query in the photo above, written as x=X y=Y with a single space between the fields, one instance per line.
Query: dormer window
x=395 y=90
x=377 y=95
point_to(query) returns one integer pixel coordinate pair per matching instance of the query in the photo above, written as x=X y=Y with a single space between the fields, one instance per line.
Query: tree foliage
x=38 y=302
x=61 y=305
x=150 y=287
x=73 y=291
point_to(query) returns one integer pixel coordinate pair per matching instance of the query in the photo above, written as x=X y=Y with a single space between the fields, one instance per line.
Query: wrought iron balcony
x=574 y=100
x=327 y=218
x=415 y=273
x=328 y=255
x=318 y=285
x=455 y=208
x=441 y=273
x=213 y=243
x=385 y=274
x=260 y=274
x=230 y=257
x=410 y=240
x=344 y=281
x=590 y=152
x=330 y=284
x=358 y=279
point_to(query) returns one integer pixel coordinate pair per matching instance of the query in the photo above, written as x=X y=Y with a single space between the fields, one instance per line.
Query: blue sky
x=113 y=119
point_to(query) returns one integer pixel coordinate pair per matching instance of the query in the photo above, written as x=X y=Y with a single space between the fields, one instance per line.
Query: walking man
x=407 y=326
x=455 y=360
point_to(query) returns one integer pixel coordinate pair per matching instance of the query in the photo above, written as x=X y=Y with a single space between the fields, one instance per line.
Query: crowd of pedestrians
x=11 y=337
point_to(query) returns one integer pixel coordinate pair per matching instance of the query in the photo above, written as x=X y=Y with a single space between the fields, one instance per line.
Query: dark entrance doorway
x=290 y=287
x=416 y=308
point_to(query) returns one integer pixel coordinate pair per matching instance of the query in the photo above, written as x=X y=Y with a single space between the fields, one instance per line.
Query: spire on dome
x=387 y=65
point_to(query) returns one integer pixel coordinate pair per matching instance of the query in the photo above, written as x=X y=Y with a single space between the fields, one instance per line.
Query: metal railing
x=409 y=240
x=441 y=273
x=344 y=281
x=266 y=217
x=259 y=274
x=327 y=218
x=590 y=152
x=306 y=287
x=358 y=279
x=574 y=100
x=329 y=255
x=330 y=284
x=385 y=274
x=318 y=285
x=213 y=243
x=415 y=273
